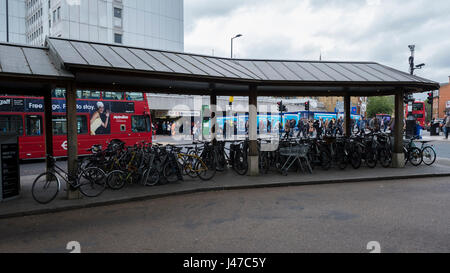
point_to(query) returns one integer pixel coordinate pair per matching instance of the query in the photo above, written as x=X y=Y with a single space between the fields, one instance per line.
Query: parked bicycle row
x=153 y=164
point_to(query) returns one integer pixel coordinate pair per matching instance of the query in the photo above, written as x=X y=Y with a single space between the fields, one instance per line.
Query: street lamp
x=237 y=36
x=7 y=21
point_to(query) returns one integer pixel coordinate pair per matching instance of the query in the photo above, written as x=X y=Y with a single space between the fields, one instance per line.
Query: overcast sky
x=349 y=30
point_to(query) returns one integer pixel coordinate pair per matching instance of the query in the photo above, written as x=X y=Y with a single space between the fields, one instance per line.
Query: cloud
x=351 y=30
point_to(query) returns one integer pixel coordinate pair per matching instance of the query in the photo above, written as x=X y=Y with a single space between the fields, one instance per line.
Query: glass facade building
x=157 y=24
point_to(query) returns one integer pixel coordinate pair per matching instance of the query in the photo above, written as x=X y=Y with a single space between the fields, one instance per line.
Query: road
x=403 y=216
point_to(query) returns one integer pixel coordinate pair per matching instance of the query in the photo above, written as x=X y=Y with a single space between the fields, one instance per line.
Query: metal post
x=398 y=158
x=347 y=103
x=48 y=124
x=213 y=109
x=7 y=21
x=72 y=137
x=252 y=132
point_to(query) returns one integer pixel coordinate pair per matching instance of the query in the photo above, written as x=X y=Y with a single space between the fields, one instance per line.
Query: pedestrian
x=447 y=125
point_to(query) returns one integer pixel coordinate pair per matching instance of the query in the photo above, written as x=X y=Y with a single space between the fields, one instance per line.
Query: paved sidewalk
x=228 y=180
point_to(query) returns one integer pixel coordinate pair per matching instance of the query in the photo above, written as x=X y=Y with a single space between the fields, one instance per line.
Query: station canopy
x=97 y=65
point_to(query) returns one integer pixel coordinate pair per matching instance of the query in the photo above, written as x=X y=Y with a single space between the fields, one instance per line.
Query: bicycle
x=90 y=182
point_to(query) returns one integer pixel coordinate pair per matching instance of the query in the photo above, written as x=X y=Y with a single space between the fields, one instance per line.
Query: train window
x=34 y=125
x=113 y=95
x=138 y=96
x=88 y=94
x=60 y=125
x=59 y=93
x=140 y=124
x=11 y=124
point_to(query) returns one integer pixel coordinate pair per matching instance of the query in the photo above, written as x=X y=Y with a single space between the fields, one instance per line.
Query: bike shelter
x=73 y=64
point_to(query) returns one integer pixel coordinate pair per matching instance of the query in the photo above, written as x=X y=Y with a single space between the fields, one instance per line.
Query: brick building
x=441 y=102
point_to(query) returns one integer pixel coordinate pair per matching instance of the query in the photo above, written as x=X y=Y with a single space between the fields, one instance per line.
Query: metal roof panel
x=66 y=52
x=168 y=62
x=302 y=73
x=251 y=67
x=89 y=54
x=285 y=71
x=268 y=71
x=131 y=58
x=111 y=57
x=39 y=62
x=317 y=73
x=185 y=64
x=149 y=60
x=210 y=71
x=12 y=60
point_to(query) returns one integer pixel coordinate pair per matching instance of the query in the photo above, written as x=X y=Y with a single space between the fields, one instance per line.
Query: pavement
x=228 y=180
x=399 y=216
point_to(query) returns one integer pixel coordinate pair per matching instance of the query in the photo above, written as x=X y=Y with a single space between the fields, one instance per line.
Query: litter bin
x=9 y=167
x=435 y=129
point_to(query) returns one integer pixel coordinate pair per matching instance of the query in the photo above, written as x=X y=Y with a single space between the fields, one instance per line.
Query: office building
x=157 y=24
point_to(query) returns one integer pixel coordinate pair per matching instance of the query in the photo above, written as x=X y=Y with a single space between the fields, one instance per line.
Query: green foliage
x=380 y=105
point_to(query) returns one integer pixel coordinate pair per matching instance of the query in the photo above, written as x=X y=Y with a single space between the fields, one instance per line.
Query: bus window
x=88 y=94
x=113 y=95
x=60 y=125
x=59 y=93
x=82 y=125
x=417 y=106
x=11 y=124
x=136 y=96
x=139 y=124
x=34 y=125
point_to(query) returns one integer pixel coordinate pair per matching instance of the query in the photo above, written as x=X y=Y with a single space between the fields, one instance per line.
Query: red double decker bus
x=419 y=112
x=102 y=117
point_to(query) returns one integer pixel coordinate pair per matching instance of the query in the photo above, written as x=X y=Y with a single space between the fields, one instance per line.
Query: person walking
x=447 y=125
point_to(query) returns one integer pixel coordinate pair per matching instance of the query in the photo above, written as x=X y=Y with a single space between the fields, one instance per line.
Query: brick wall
x=444 y=96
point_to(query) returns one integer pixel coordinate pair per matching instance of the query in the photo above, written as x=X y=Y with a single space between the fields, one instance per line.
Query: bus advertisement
x=101 y=118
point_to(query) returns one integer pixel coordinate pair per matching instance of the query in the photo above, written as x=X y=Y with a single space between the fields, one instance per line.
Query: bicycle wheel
x=92 y=182
x=45 y=188
x=371 y=159
x=116 y=179
x=206 y=170
x=415 y=156
x=151 y=177
x=355 y=160
x=240 y=164
x=385 y=158
x=170 y=172
x=429 y=156
x=325 y=160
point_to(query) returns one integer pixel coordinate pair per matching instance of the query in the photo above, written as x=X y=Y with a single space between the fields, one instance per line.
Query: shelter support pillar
x=347 y=105
x=72 y=138
x=213 y=110
x=398 y=157
x=48 y=124
x=253 y=155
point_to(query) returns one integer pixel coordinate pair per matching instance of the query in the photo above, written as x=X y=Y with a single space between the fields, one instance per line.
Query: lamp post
x=237 y=36
x=411 y=120
x=7 y=21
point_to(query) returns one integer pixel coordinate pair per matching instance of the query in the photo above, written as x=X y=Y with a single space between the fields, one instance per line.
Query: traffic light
x=430 y=98
x=280 y=106
x=307 y=106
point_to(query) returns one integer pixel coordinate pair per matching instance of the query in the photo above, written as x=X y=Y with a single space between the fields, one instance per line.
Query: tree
x=380 y=105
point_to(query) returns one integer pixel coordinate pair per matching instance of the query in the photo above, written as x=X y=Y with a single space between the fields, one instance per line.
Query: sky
x=339 y=30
